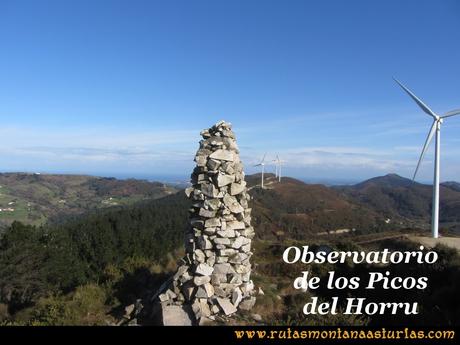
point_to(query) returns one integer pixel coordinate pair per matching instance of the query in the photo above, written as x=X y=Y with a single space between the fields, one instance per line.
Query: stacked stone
x=214 y=277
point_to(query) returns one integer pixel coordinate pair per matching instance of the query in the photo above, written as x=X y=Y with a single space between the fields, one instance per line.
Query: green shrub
x=84 y=306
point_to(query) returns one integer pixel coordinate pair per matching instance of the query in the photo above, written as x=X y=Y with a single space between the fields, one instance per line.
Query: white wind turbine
x=262 y=164
x=278 y=163
x=435 y=127
x=276 y=166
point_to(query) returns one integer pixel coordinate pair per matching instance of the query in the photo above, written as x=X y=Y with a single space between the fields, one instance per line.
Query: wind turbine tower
x=435 y=129
x=262 y=164
x=278 y=163
x=276 y=167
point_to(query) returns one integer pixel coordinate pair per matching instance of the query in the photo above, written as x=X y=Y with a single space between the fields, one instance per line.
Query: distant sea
x=186 y=178
x=181 y=179
x=165 y=178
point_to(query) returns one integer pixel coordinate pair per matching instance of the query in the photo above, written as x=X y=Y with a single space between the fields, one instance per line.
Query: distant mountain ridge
x=291 y=206
x=396 y=196
x=35 y=198
x=452 y=185
x=389 y=180
x=383 y=202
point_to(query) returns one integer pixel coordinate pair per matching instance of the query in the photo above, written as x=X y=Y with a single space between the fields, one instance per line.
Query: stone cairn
x=214 y=276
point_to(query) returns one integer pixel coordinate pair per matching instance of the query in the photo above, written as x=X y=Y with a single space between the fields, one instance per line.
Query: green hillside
x=36 y=198
x=104 y=252
x=400 y=199
x=85 y=270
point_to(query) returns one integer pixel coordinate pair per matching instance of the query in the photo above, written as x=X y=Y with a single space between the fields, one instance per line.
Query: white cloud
x=97 y=150
x=340 y=157
x=93 y=137
x=173 y=150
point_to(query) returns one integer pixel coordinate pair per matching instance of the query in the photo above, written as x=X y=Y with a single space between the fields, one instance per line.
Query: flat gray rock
x=212 y=222
x=223 y=268
x=223 y=180
x=237 y=188
x=236 y=225
x=237 y=296
x=207 y=213
x=174 y=315
x=200 y=280
x=226 y=305
x=204 y=270
x=222 y=155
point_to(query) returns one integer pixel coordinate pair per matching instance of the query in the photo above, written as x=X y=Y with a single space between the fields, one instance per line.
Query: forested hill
x=294 y=209
x=394 y=196
x=41 y=261
x=37 y=198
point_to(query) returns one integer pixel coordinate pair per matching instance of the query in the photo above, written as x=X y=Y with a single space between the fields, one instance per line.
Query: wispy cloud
x=173 y=150
x=325 y=157
x=83 y=154
x=96 y=145
x=94 y=137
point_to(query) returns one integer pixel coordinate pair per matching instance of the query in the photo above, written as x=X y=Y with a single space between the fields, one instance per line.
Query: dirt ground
x=428 y=242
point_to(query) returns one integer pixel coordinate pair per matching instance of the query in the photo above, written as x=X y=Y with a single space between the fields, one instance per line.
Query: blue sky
x=124 y=87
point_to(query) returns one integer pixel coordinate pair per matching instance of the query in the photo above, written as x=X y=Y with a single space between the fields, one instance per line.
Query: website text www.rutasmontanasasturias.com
x=290 y=333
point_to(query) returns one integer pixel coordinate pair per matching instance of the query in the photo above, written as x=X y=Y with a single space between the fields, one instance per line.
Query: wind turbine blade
x=425 y=147
x=422 y=105
x=452 y=113
x=263 y=159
